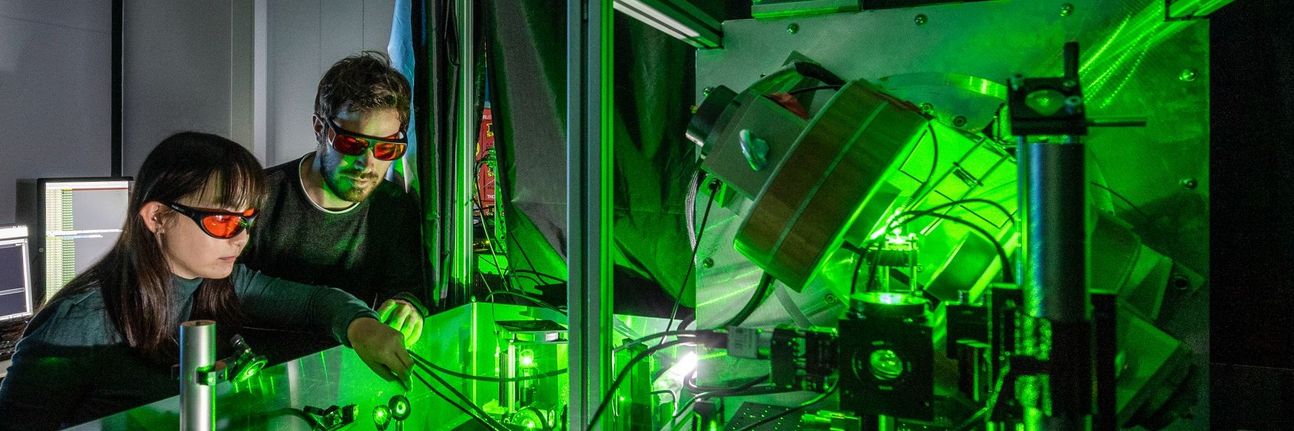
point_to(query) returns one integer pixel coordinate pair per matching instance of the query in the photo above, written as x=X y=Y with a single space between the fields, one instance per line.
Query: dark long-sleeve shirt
x=372 y=250
x=72 y=366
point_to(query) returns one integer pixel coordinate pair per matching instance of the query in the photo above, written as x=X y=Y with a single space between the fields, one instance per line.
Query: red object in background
x=485 y=161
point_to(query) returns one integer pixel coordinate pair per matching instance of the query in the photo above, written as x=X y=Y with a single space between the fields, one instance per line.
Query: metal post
x=1056 y=286
x=197 y=392
x=461 y=200
x=118 y=93
x=589 y=204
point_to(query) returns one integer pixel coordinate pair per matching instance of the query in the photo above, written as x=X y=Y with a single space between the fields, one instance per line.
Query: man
x=331 y=218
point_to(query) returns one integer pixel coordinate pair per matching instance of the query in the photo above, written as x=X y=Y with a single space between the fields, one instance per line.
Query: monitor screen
x=15 y=274
x=81 y=220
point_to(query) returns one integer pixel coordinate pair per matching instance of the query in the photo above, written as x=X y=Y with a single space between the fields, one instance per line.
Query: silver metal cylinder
x=197 y=385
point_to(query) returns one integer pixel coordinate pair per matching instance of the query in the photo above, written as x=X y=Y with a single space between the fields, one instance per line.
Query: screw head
x=928 y=108
x=707 y=263
x=792 y=28
x=1189 y=183
x=921 y=19
x=1188 y=75
x=959 y=121
x=1067 y=9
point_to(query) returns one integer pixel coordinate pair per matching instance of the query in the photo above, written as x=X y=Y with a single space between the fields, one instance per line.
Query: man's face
x=353 y=178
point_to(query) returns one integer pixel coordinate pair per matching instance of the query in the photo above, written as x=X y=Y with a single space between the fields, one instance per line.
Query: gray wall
x=244 y=69
x=55 y=92
x=305 y=38
x=178 y=71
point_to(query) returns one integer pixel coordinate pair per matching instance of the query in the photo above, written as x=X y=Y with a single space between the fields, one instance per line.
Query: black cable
x=689 y=383
x=817 y=88
x=424 y=362
x=700 y=230
x=853 y=283
x=944 y=205
x=624 y=373
x=787 y=412
x=489 y=242
x=451 y=401
x=673 y=398
x=761 y=293
x=747 y=388
x=646 y=338
x=467 y=401
x=926 y=185
x=988 y=407
x=1007 y=276
x=532 y=299
x=540 y=274
x=1125 y=200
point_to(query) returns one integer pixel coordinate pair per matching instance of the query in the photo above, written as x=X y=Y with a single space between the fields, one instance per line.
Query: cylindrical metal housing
x=1056 y=284
x=197 y=394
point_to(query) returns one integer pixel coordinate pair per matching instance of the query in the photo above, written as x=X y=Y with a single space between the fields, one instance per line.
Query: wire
x=452 y=403
x=1125 y=200
x=662 y=334
x=700 y=231
x=424 y=362
x=992 y=402
x=489 y=242
x=466 y=401
x=624 y=373
x=944 y=205
x=761 y=293
x=537 y=273
x=1001 y=251
x=853 y=283
x=532 y=299
x=787 y=412
x=809 y=89
x=742 y=389
x=673 y=398
x=926 y=185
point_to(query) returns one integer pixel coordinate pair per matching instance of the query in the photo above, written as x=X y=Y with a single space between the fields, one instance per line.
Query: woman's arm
x=287 y=303
x=46 y=380
x=352 y=323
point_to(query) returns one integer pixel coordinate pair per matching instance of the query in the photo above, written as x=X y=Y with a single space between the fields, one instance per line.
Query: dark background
x=1252 y=232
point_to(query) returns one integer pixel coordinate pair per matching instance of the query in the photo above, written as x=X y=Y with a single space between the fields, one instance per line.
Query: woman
x=107 y=341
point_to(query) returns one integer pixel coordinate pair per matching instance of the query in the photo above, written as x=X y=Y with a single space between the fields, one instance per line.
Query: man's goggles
x=355 y=144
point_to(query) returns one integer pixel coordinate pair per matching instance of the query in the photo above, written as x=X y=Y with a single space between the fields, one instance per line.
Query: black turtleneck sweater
x=72 y=366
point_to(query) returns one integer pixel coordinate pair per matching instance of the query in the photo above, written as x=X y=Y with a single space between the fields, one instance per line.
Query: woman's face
x=190 y=251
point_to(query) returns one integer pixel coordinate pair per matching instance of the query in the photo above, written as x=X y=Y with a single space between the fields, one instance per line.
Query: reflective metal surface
x=952 y=60
x=466 y=340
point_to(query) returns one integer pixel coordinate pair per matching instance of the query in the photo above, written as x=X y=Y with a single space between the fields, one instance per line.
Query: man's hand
x=404 y=317
x=381 y=348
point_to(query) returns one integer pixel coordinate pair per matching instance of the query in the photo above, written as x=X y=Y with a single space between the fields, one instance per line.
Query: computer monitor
x=75 y=221
x=16 y=300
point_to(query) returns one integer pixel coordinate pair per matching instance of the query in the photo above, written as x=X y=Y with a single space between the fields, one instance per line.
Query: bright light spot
x=527 y=358
x=890 y=298
x=686 y=364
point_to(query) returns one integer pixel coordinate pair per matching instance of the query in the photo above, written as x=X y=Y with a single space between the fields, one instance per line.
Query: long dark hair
x=134 y=277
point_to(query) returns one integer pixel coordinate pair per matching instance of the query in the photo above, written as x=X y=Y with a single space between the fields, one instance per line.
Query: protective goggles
x=355 y=144
x=216 y=223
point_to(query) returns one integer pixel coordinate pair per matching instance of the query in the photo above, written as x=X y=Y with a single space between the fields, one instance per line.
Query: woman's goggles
x=355 y=144
x=216 y=223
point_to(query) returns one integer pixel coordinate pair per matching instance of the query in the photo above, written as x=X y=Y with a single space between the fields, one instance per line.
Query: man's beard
x=354 y=193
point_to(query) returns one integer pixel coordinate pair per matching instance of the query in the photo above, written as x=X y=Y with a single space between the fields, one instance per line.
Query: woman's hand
x=381 y=348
